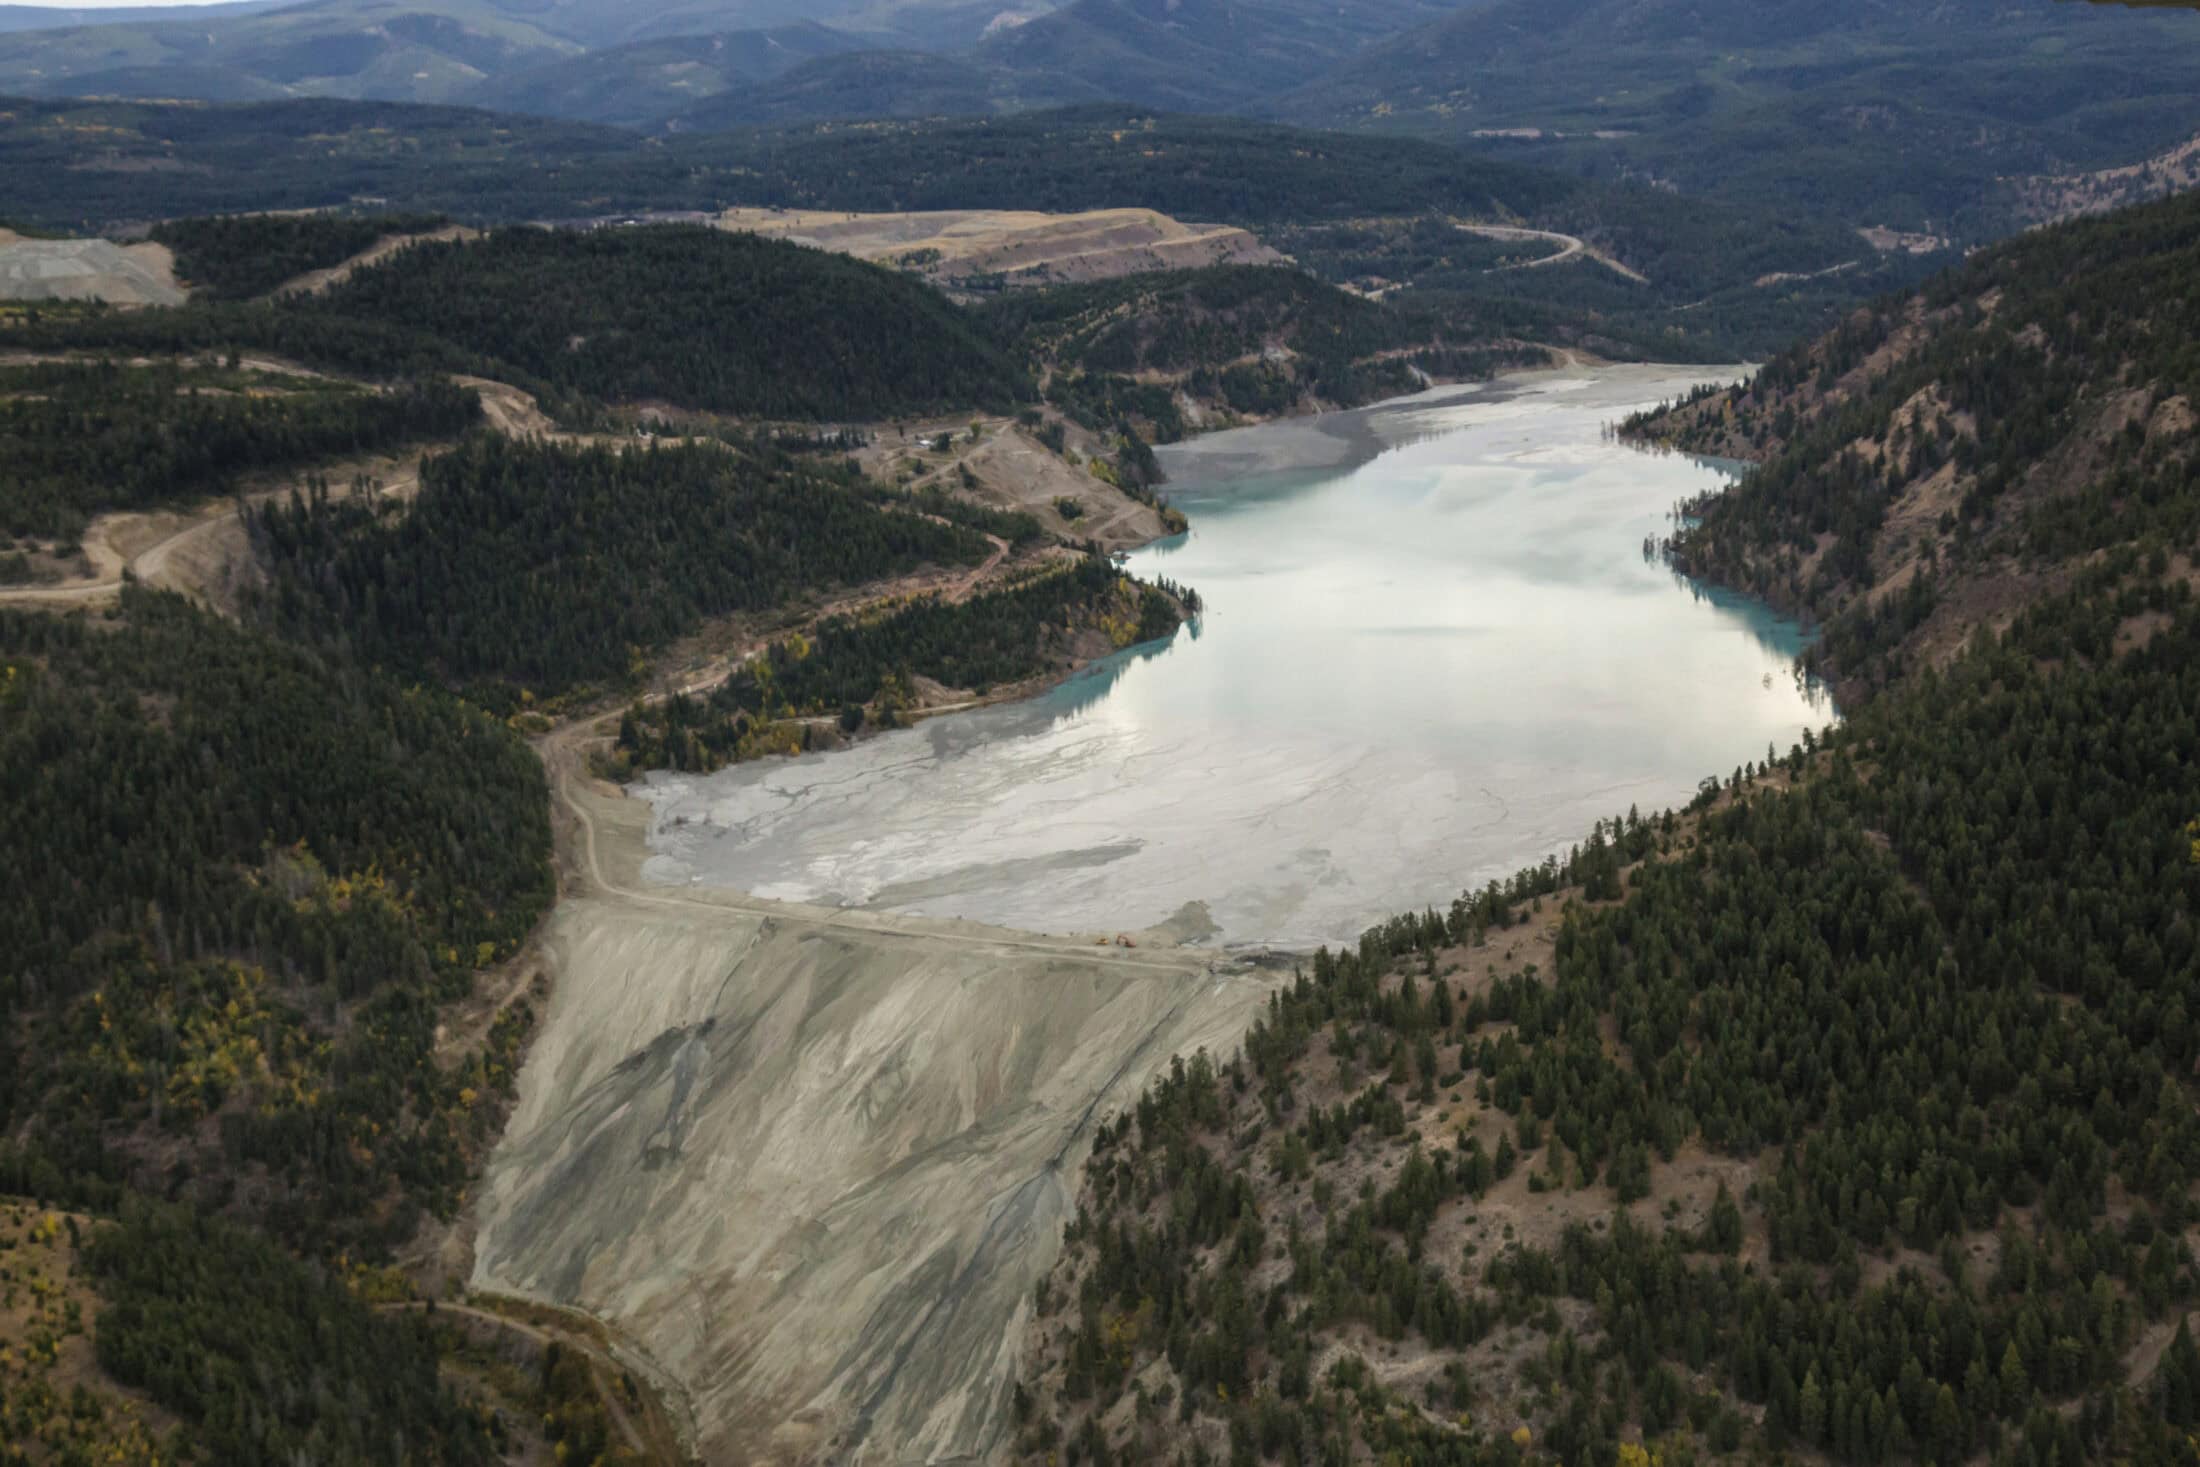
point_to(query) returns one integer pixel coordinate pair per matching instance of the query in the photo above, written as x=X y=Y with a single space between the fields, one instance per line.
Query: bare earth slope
x=814 y=1161
x=86 y=270
x=1025 y=247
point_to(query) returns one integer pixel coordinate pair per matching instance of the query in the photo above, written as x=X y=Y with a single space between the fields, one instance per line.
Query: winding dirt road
x=575 y=1340
x=313 y=282
x=1568 y=249
x=503 y=407
x=156 y=564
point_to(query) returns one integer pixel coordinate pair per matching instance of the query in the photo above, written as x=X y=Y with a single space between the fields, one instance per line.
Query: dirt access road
x=313 y=282
x=1567 y=247
x=656 y=1437
x=195 y=550
x=191 y=551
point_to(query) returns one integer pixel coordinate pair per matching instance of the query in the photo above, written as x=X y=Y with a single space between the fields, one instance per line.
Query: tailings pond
x=1432 y=651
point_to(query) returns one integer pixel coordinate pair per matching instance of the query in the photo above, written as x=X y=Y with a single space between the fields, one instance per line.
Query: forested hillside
x=871 y=83
x=696 y=317
x=295 y=332
x=1716 y=279
x=430 y=50
x=1199 y=55
x=679 y=315
x=543 y=566
x=1934 y=119
x=76 y=439
x=1853 y=1115
x=1946 y=456
x=236 y=257
x=643 y=82
x=253 y=926
x=1849 y=1112
x=95 y=164
x=235 y=923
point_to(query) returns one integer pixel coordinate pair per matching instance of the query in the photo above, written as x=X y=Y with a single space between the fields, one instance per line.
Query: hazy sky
x=102 y=4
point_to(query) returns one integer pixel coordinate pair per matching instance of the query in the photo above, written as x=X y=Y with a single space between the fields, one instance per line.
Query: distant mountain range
x=1877 y=112
x=638 y=84
x=442 y=50
x=55 y=17
x=570 y=58
x=1883 y=111
x=1205 y=55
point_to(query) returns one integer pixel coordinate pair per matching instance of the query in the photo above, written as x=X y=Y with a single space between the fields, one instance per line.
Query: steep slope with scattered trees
x=1945 y=456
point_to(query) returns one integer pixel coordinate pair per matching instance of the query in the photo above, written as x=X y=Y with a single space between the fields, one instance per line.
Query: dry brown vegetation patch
x=2047 y=198
x=48 y=1319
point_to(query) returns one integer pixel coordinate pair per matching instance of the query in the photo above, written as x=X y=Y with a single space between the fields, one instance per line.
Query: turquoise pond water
x=1432 y=652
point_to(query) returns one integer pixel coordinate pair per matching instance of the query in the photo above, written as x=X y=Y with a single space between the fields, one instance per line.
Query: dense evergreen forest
x=236 y=919
x=76 y=439
x=271 y=1360
x=536 y=565
x=694 y=316
x=167 y=160
x=859 y=671
x=321 y=153
x=232 y=908
x=376 y=351
x=1113 y=156
x=238 y=256
x=1883 y=111
x=1962 y=446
